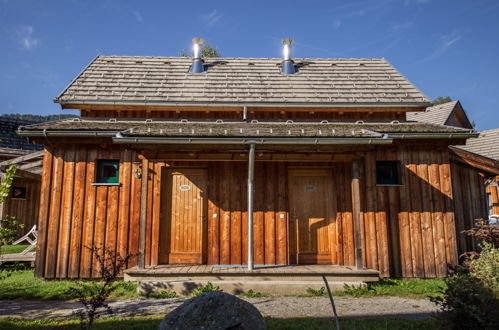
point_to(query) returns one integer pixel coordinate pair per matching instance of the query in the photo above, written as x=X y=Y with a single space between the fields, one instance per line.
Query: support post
x=251 y=172
x=356 y=213
x=143 y=214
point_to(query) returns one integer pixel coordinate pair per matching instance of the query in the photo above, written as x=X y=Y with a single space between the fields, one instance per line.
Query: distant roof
x=487 y=144
x=241 y=81
x=253 y=129
x=442 y=115
x=9 y=139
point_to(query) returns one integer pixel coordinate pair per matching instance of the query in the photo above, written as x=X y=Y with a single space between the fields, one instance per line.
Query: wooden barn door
x=311 y=210
x=184 y=216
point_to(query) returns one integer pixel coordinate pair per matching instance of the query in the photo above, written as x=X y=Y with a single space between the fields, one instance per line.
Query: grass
x=402 y=288
x=388 y=287
x=293 y=323
x=8 y=249
x=23 y=285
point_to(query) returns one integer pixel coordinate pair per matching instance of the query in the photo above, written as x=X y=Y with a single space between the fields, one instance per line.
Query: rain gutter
x=432 y=135
x=199 y=140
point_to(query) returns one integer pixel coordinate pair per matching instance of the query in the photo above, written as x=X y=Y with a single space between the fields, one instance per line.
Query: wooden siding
x=469 y=202
x=406 y=230
x=492 y=189
x=74 y=214
x=25 y=209
x=409 y=230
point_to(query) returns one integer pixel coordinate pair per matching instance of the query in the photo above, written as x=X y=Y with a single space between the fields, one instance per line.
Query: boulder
x=214 y=310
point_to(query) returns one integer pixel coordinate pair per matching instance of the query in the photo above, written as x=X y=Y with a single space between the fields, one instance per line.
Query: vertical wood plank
x=282 y=215
x=77 y=213
x=269 y=217
x=124 y=202
x=225 y=215
x=55 y=207
x=155 y=214
x=43 y=214
x=88 y=215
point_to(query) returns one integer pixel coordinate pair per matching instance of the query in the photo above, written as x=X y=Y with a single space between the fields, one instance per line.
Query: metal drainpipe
x=251 y=172
x=245 y=113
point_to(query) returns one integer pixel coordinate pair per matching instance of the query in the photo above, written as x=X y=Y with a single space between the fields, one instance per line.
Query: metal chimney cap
x=287 y=41
x=198 y=41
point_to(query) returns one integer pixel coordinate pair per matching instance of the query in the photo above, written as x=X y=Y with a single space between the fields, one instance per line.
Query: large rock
x=214 y=310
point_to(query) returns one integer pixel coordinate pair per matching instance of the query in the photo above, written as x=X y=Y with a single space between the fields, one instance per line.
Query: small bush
x=318 y=293
x=486 y=266
x=467 y=304
x=204 y=288
x=162 y=294
x=356 y=291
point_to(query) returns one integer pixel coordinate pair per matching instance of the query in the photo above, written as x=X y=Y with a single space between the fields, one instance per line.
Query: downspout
x=245 y=113
x=251 y=172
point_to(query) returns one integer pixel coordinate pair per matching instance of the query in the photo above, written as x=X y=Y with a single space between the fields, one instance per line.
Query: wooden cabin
x=236 y=161
x=23 y=200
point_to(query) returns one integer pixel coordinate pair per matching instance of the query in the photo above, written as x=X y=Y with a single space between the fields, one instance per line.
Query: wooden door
x=311 y=209
x=184 y=216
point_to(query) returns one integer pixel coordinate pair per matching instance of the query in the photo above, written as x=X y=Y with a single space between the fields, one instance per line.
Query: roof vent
x=197 y=61
x=288 y=66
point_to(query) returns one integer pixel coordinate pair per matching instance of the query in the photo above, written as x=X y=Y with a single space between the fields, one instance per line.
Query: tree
x=207 y=51
x=441 y=100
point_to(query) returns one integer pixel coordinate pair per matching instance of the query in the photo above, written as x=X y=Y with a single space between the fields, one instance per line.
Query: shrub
x=162 y=294
x=253 y=294
x=93 y=295
x=318 y=293
x=484 y=231
x=205 y=288
x=486 y=266
x=467 y=304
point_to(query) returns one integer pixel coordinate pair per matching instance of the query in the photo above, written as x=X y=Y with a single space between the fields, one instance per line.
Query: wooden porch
x=271 y=279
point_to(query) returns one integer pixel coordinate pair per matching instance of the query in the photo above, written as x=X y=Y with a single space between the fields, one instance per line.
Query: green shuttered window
x=108 y=171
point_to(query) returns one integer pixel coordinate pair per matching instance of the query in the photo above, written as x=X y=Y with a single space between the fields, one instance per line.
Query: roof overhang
x=488 y=165
x=231 y=106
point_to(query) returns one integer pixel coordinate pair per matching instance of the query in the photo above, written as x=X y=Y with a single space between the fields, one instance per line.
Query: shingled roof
x=441 y=114
x=487 y=144
x=240 y=81
x=162 y=128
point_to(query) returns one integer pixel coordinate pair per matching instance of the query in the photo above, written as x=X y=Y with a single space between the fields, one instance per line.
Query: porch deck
x=288 y=279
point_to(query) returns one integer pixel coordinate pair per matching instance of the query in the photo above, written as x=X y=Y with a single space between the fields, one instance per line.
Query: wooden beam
x=143 y=214
x=38 y=154
x=28 y=175
x=37 y=163
x=356 y=213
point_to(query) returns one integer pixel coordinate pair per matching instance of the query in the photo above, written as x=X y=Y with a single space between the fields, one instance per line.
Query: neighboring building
x=161 y=163
x=475 y=167
x=24 y=200
x=487 y=144
x=450 y=113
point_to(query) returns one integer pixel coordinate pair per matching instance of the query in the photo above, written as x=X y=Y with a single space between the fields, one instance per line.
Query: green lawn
x=23 y=285
x=8 y=249
x=153 y=322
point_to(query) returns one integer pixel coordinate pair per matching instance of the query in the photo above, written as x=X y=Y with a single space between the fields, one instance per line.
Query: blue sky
x=443 y=47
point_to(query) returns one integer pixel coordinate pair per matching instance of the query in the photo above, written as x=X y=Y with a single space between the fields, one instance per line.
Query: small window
x=387 y=172
x=19 y=193
x=108 y=171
